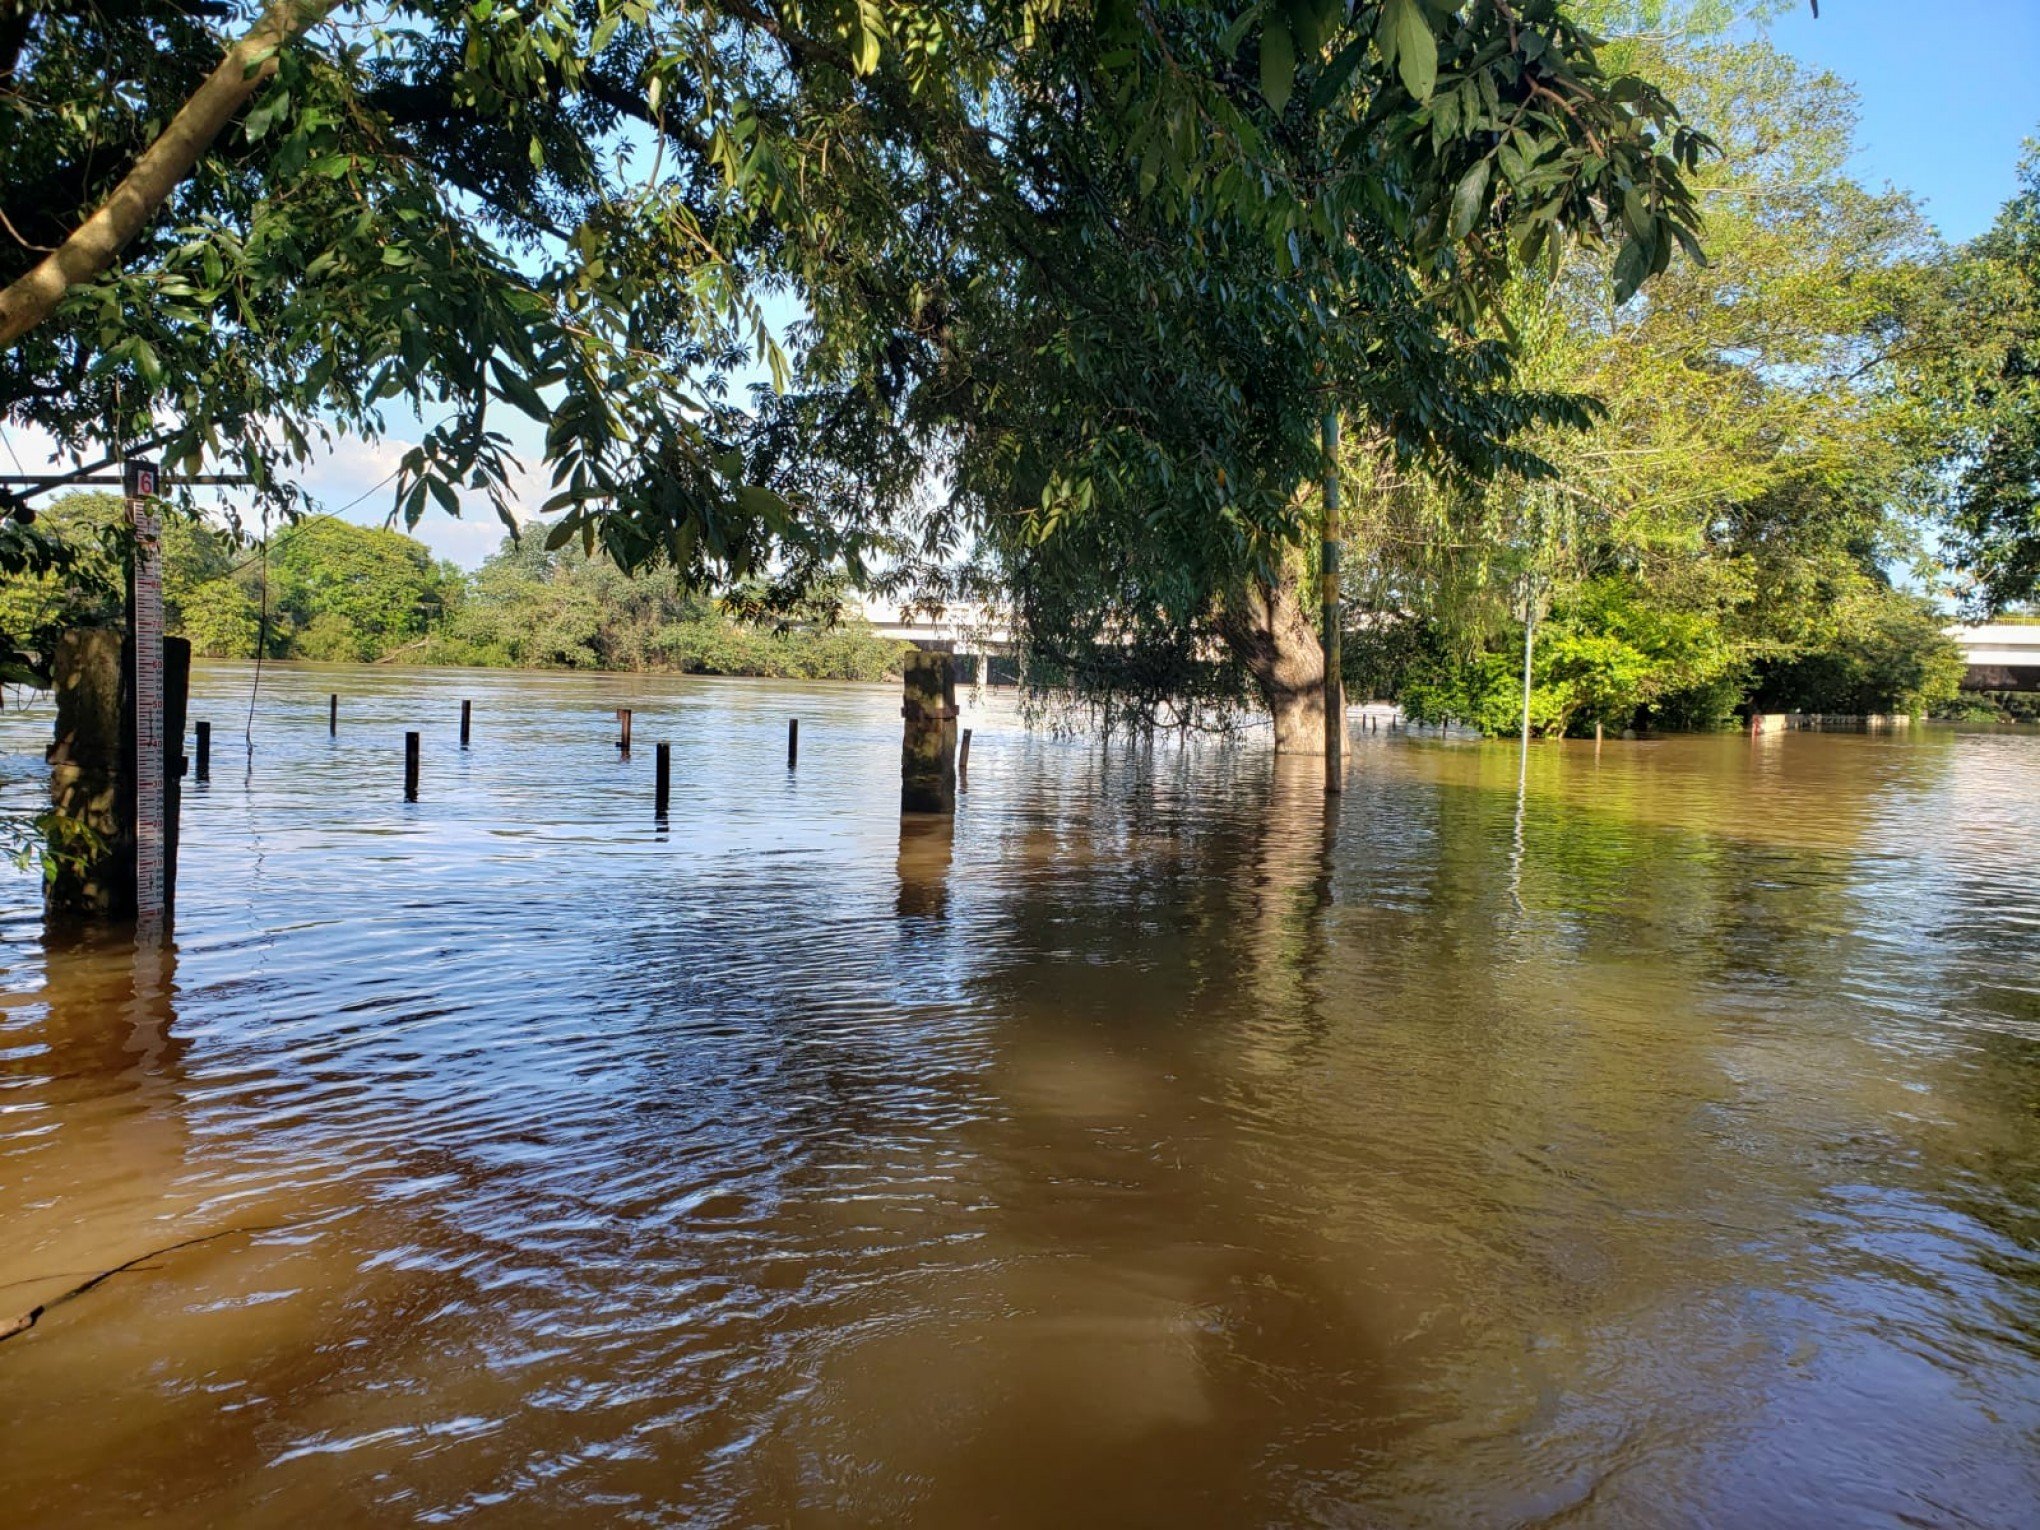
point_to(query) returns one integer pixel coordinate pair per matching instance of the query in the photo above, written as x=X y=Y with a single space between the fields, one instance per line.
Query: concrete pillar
x=928 y=745
x=92 y=773
x=91 y=787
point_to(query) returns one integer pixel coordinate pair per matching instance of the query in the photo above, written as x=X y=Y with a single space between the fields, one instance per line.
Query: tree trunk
x=97 y=242
x=1266 y=628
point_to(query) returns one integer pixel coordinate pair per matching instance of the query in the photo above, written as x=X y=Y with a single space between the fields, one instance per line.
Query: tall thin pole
x=145 y=629
x=1529 y=636
x=1335 y=690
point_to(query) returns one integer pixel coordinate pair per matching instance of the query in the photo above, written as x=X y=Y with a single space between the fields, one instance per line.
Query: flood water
x=1158 y=1149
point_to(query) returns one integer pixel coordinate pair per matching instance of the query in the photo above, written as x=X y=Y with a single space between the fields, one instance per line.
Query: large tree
x=1992 y=380
x=1118 y=363
x=1766 y=464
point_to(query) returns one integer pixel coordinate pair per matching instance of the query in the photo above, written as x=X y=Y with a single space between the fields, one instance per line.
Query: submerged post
x=91 y=791
x=792 y=742
x=623 y=725
x=662 y=782
x=467 y=713
x=333 y=716
x=410 y=767
x=96 y=776
x=963 y=763
x=928 y=745
x=1335 y=690
x=204 y=732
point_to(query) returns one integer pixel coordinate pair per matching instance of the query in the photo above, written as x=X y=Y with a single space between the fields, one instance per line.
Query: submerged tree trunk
x=1267 y=629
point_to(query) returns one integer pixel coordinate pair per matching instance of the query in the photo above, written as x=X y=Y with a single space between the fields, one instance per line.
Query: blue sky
x=1949 y=89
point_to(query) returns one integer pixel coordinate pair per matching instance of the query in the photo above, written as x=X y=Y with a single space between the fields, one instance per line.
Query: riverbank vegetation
x=329 y=590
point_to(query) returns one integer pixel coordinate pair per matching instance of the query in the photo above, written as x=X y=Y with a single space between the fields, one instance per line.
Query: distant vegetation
x=339 y=592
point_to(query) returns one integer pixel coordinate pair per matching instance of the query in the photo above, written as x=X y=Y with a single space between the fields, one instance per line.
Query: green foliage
x=1990 y=707
x=1611 y=652
x=1886 y=652
x=343 y=592
x=1991 y=380
x=1764 y=458
x=560 y=608
x=62 y=571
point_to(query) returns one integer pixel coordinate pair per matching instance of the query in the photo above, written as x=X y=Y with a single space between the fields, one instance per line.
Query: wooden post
x=410 y=767
x=662 y=782
x=963 y=763
x=467 y=714
x=792 y=742
x=623 y=724
x=204 y=731
x=928 y=745
x=332 y=716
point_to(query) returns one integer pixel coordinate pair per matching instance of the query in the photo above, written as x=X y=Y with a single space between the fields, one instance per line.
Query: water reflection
x=1166 y=1142
x=927 y=848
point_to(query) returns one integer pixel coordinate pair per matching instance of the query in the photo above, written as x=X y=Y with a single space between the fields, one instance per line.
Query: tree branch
x=95 y=244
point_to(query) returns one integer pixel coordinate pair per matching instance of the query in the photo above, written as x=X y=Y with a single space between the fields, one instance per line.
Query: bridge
x=978 y=632
x=2002 y=656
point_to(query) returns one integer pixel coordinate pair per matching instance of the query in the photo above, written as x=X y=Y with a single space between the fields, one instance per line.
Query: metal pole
x=792 y=742
x=662 y=782
x=146 y=629
x=410 y=767
x=1529 y=633
x=1335 y=690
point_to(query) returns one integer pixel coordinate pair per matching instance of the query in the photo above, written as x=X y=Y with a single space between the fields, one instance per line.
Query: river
x=1158 y=1149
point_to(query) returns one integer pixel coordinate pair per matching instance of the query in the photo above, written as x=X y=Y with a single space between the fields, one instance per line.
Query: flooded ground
x=1158 y=1150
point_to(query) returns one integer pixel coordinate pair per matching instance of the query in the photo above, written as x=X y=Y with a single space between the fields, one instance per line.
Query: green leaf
x=1406 y=34
x=1631 y=266
x=1278 y=63
x=1466 y=200
x=753 y=499
x=520 y=392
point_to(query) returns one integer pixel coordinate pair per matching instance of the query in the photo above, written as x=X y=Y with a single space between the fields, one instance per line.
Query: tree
x=1119 y=368
x=1993 y=382
x=1766 y=456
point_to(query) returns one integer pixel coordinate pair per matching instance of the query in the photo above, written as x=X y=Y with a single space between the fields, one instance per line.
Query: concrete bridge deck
x=2002 y=656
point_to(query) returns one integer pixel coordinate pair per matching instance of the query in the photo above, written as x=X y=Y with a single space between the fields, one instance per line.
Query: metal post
x=1529 y=638
x=333 y=716
x=204 y=731
x=410 y=767
x=662 y=782
x=145 y=605
x=963 y=763
x=1335 y=690
x=467 y=713
x=792 y=742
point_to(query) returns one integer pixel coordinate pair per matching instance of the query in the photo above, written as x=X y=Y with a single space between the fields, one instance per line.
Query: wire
x=261 y=640
x=298 y=525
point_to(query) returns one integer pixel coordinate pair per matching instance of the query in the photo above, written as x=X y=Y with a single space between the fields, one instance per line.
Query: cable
x=261 y=641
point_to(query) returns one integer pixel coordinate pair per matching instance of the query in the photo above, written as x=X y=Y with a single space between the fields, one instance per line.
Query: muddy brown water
x=1158 y=1149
